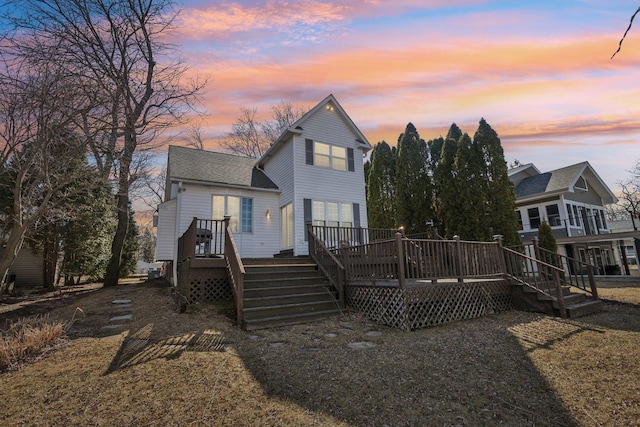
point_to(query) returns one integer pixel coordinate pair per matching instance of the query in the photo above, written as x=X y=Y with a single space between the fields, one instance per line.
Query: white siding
x=166 y=230
x=264 y=241
x=280 y=169
x=317 y=183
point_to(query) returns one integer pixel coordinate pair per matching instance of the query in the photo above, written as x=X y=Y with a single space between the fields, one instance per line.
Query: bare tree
x=40 y=153
x=194 y=137
x=629 y=200
x=625 y=32
x=251 y=138
x=119 y=48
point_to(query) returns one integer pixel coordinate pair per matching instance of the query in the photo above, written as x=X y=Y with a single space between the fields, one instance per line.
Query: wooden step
x=276 y=261
x=282 y=282
x=270 y=273
x=298 y=298
x=569 y=299
x=268 y=311
x=272 y=322
x=584 y=308
x=264 y=291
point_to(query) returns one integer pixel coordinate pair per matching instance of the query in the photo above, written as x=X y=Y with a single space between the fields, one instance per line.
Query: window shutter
x=356 y=214
x=350 y=163
x=309 y=151
x=307 y=216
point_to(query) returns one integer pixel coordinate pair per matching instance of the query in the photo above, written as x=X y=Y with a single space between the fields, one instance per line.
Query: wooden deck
x=401 y=282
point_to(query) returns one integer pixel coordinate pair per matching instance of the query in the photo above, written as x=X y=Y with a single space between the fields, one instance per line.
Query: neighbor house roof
x=563 y=180
x=188 y=164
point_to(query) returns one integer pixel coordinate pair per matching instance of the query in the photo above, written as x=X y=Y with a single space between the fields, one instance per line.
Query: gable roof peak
x=330 y=103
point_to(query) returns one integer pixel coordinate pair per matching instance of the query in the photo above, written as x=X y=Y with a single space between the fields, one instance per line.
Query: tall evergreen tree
x=469 y=171
x=500 y=215
x=381 y=187
x=414 y=189
x=445 y=184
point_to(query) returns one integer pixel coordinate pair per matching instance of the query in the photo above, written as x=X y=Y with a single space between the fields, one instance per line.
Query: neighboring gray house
x=572 y=201
x=312 y=173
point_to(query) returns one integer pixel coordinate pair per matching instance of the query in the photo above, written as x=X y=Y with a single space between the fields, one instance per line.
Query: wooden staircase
x=576 y=304
x=284 y=291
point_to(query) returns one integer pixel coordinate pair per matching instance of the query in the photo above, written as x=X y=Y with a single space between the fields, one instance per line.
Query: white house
x=312 y=173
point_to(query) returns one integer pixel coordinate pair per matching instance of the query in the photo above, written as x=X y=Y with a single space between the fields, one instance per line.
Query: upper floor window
x=572 y=221
x=553 y=215
x=329 y=156
x=604 y=221
x=581 y=184
x=519 y=220
x=534 y=218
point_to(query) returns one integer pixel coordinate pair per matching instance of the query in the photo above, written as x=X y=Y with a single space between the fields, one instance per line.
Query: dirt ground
x=140 y=363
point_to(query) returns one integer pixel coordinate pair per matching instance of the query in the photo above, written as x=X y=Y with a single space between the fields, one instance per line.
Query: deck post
x=592 y=281
x=559 y=294
x=400 y=251
x=503 y=265
x=459 y=259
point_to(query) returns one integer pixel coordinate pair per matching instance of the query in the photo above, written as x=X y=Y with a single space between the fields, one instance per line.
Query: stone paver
x=123 y=317
x=121 y=301
x=363 y=345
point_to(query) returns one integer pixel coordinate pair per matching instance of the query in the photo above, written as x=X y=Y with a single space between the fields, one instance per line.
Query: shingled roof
x=561 y=179
x=189 y=164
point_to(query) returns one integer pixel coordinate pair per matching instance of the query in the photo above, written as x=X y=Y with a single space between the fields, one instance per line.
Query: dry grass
x=28 y=337
x=197 y=368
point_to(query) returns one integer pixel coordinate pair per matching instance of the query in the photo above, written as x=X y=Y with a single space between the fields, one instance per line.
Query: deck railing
x=402 y=259
x=236 y=270
x=203 y=238
x=337 y=237
x=328 y=264
x=576 y=273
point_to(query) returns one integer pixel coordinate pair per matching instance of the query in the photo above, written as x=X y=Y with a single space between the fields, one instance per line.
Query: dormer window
x=581 y=184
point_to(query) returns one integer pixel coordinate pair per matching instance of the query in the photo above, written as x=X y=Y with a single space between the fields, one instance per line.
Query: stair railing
x=328 y=264
x=574 y=270
x=540 y=276
x=236 y=270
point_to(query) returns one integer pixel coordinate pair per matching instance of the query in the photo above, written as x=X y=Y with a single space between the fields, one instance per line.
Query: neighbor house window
x=519 y=220
x=604 y=221
x=329 y=156
x=578 y=218
x=239 y=209
x=571 y=217
x=534 y=218
x=553 y=215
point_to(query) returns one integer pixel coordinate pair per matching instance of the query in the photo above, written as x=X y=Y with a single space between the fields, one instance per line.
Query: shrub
x=28 y=337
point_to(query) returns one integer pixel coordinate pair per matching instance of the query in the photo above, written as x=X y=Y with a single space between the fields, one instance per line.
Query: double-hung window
x=534 y=218
x=240 y=209
x=329 y=156
x=553 y=215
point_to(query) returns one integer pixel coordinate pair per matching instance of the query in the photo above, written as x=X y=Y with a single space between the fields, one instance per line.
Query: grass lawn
x=160 y=368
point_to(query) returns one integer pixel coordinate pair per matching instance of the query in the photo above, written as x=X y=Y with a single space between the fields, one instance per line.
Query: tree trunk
x=10 y=253
x=50 y=260
x=113 y=267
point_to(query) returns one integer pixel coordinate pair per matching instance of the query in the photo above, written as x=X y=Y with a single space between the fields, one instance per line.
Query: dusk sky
x=538 y=71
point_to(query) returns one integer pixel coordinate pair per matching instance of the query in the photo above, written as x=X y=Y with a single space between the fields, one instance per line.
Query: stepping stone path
x=121 y=305
x=374 y=334
x=363 y=345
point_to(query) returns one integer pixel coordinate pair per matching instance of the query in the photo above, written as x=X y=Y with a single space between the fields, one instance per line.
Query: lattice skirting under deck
x=204 y=285
x=423 y=305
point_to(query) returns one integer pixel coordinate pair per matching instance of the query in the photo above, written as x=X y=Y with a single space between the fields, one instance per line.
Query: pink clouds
x=537 y=76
